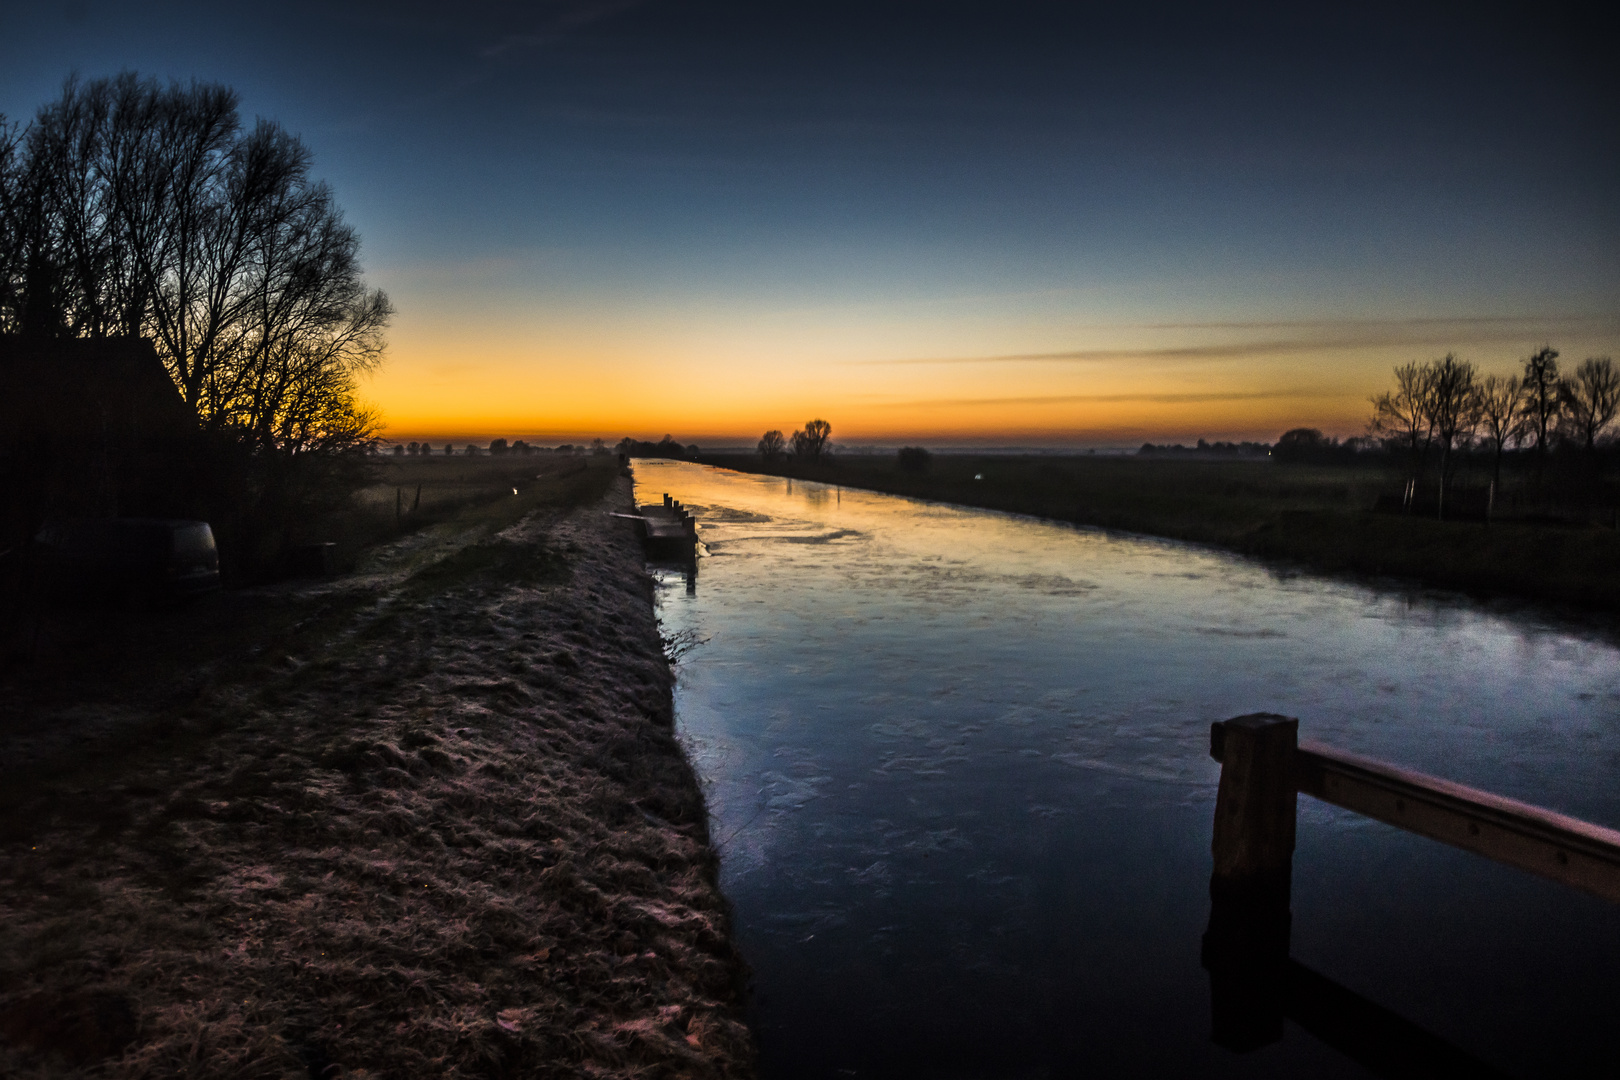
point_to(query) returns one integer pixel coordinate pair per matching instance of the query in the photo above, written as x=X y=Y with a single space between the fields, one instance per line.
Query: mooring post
x=1246 y=946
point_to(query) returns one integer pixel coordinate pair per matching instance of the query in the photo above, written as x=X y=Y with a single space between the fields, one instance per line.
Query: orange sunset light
x=726 y=384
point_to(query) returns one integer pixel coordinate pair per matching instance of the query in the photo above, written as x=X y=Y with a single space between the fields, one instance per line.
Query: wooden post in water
x=1246 y=946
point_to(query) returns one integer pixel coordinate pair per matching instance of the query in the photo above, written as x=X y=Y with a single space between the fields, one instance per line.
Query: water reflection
x=958 y=765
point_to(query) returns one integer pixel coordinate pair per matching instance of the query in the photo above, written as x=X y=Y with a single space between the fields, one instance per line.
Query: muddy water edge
x=430 y=819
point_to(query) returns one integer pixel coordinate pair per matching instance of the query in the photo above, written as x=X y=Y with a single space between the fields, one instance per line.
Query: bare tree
x=1405 y=415
x=770 y=445
x=12 y=213
x=1454 y=409
x=810 y=443
x=71 y=235
x=1500 y=404
x=1542 y=400
x=141 y=209
x=1591 y=398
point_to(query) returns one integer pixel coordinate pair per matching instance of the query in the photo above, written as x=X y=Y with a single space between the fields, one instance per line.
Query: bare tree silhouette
x=1501 y=402
x=1453 y=408
x=132 y=208
x=1542 y=399
x=1590 y=399
x=1405 y=416
x=810 y=443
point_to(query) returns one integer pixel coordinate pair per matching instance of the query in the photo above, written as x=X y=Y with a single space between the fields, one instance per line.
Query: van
x=122 y=560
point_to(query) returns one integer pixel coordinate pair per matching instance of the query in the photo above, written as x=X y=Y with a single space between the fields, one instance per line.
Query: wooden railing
x=1254 y=983
x=1572 y=852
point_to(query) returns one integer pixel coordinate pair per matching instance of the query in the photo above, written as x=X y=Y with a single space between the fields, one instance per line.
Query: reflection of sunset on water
x=959 y=768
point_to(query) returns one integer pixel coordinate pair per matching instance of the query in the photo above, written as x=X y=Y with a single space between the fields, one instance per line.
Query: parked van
x=146 y=560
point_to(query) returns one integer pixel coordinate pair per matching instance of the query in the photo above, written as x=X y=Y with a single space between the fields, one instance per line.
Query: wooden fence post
x=1245 y=948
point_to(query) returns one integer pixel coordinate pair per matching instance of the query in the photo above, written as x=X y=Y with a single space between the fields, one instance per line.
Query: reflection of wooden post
x=1246 y=945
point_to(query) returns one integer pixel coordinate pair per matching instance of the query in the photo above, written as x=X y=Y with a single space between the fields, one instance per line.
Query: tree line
x=1445 y=406
x=809 y=443
x=498 y=448
x=667 y=447
x=131 y=208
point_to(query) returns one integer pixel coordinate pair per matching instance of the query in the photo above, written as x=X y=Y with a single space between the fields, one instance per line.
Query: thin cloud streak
x=1430 y=321
x=1375 y=334
x=1109 y=399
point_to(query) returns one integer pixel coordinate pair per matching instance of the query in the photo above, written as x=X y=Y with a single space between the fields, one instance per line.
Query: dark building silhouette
x=89 y=428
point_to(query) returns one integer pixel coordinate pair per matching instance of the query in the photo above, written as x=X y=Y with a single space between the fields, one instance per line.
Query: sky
x=943 y=223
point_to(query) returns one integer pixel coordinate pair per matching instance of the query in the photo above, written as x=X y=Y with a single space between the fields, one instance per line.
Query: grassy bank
x=1317 y=517
x=428 y=819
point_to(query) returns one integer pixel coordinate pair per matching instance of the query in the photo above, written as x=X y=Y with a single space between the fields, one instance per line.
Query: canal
x=957 y=766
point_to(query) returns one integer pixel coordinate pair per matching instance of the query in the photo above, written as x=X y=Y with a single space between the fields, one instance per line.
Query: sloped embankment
x=455 y=837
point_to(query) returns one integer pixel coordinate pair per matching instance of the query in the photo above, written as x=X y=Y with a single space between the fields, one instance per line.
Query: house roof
x=80 y=388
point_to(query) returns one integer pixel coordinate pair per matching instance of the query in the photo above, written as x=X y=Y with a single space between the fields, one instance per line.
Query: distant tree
x=472 y=450
x=809 y=443
x=1403 y=416
x=1542 y=398
x=914 y=459
x=599 y=448
x=1500 y=404
x=1302 y=444
x=449 y=449
x=399 y=451
x=497 y=447
x=770 y=445
x=1453 y=408
x=1590 y=399
x=413 y=448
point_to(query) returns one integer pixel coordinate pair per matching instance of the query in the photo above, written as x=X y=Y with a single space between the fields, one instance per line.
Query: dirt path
x=450 y=834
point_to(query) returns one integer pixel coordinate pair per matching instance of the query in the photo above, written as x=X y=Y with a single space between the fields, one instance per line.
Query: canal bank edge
x=459 y=838
x=1559 y=567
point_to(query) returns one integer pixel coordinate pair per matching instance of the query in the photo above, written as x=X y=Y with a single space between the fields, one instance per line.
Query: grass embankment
x=408 y=494
x=1315 y=516
x=426 y=820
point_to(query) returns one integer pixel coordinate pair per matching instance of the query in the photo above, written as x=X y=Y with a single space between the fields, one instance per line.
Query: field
x=425 y=818
x=1315 y=517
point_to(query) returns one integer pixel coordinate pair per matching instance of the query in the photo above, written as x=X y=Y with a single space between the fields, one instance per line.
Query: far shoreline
x=1318 y=518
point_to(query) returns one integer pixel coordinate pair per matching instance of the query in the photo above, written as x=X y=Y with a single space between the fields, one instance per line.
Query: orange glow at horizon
x=888 y=383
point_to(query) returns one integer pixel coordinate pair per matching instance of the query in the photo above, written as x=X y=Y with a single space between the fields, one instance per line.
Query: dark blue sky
x=787 y=197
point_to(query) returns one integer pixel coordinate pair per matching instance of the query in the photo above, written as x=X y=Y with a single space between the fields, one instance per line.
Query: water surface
x=958 y=767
